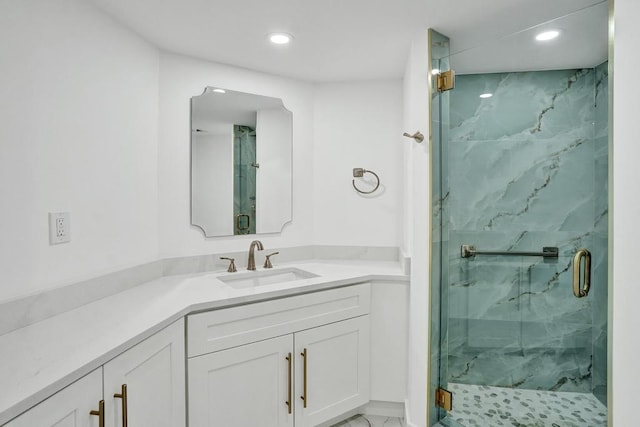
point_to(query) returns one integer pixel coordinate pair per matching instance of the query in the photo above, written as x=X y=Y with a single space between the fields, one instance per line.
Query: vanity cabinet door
x=243 y=386
x=154 y=374
x=335 y=379
x=70 y=407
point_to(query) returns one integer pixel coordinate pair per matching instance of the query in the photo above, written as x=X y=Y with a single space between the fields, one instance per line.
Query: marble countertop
x=38 y=360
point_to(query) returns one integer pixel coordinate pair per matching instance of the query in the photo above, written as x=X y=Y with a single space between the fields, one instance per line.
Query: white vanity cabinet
x=242 y=386
x=70 y=407
x=149 y=381
x=153 y=372
x=331 y=370
x=258 y=364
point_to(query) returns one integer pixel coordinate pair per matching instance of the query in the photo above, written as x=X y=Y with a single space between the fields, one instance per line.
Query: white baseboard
x=340 y=418
x=383 y=409
x=374 y=407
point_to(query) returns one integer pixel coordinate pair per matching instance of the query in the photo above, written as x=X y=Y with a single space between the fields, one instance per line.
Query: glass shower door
x=439 y=112
x=520 y=162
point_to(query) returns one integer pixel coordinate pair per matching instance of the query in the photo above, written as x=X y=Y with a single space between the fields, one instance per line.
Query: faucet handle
x=267 y=262
x=232 y=264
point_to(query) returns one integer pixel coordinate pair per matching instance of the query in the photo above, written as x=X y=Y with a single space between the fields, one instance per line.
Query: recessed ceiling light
x=280 y=38
x=220 y=91
x=486 y=95
x=547 y=35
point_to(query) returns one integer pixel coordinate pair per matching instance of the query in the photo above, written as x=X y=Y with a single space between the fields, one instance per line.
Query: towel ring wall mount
x=359 y=173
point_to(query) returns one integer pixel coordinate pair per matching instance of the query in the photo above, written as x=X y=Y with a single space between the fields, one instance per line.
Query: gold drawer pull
x=123 y=395
x=288 y=402
x=99 y=413
x=304 y=376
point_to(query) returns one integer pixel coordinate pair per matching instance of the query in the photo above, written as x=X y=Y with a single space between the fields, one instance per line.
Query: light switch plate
x=59 y=227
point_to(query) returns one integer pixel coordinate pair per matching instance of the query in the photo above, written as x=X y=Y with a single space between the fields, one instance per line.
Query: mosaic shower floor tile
x=485 y=406
x=370 y=421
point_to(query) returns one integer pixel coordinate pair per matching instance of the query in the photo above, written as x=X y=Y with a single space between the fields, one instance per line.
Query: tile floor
x=484 y=406
x=370 y=421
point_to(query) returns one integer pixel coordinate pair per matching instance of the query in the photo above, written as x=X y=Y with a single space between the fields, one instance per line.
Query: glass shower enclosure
x=519 y=278
x=244 y=182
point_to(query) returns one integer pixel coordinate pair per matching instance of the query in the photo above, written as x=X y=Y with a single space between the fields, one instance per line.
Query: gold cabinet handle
x=99 y=413
x=581 y=289
x=123 y=395
x=304 y=377
x=288 y=402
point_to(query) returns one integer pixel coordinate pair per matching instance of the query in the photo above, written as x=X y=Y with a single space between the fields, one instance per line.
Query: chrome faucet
x=251 y=265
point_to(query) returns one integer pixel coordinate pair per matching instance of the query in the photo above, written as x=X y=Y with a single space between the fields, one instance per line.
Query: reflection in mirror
x=241 y=163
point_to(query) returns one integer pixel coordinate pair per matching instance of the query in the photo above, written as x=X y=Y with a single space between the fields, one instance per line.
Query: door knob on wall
x=417 y=136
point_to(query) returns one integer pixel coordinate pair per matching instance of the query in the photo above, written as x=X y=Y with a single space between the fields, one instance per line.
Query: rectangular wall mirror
x=241 y=163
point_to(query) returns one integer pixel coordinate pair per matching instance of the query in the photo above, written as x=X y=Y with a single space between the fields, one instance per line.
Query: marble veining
x=524 y=169
x=503 y=170
x=483 y=406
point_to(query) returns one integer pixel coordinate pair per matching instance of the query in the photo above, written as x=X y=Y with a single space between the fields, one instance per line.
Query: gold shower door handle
x=123 y=395
x=581 y=287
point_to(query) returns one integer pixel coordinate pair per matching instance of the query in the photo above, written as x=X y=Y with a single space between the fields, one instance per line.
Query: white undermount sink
x=265 y=277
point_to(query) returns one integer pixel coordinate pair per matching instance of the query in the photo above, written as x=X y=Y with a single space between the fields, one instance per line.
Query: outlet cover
x=59 y=227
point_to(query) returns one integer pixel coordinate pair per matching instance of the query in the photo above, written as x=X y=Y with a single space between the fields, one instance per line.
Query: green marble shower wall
x=525 y=168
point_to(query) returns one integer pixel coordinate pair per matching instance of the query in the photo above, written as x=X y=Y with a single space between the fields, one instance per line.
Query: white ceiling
x=335 y=40
x=583 y=43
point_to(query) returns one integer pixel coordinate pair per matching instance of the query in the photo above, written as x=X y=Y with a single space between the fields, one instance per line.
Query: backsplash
x=20 y=312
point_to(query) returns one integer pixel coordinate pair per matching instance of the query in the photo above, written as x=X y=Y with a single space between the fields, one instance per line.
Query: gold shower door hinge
x=444 y=399
x=446 y=80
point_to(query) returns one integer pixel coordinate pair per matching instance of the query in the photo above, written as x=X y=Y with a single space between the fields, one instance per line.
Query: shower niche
x=521 y=163
x=241 y=163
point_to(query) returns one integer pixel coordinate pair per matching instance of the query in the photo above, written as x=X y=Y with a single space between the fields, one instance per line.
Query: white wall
x=78 y=96
x=358 y=125
x=417 y=234
x=336 y=127
x=180 y=79
x=626 y=214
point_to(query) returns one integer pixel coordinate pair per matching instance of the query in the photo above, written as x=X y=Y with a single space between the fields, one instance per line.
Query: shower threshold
x=488 y=406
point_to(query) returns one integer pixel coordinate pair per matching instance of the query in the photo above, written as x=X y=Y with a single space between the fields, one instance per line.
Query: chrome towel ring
x=359 y=173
